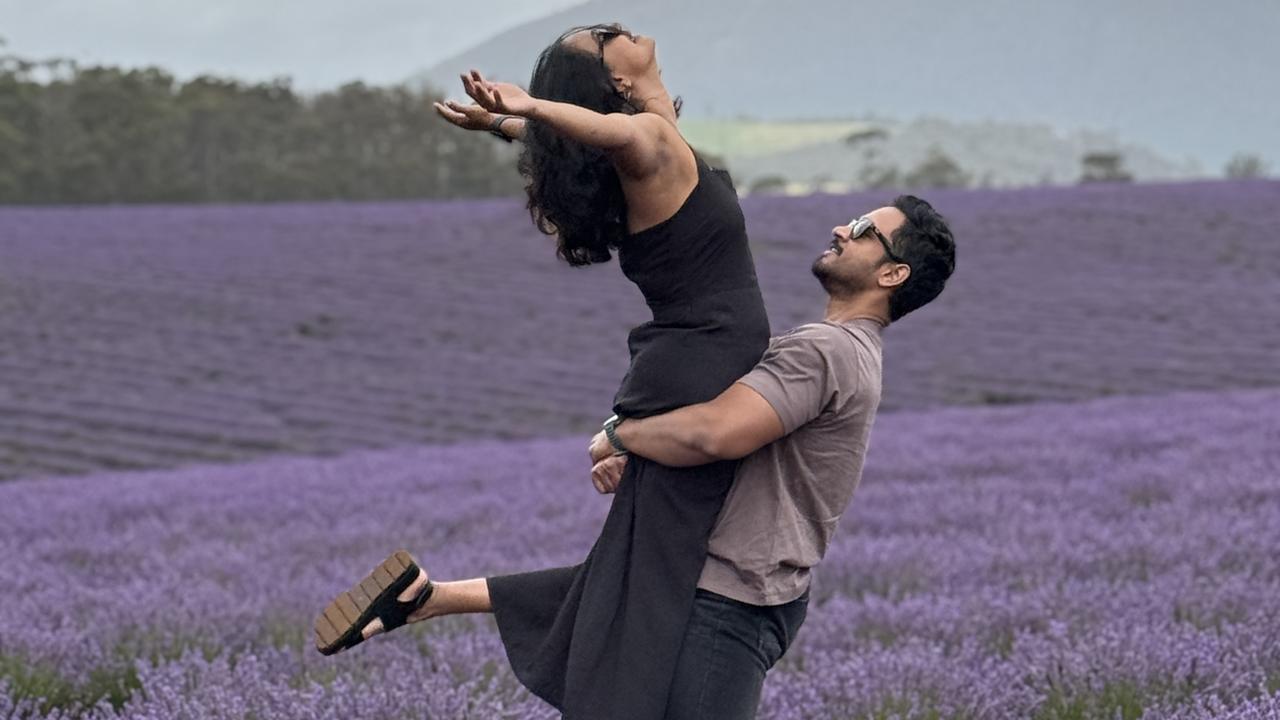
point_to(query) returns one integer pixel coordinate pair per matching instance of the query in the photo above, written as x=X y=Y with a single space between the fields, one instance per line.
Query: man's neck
x=842 y=310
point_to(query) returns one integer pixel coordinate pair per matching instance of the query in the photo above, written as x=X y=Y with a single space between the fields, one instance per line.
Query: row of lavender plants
x=1114 y=558
x=153 y=336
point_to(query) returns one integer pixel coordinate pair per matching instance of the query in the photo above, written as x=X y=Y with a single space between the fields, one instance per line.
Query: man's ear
x=894 y=275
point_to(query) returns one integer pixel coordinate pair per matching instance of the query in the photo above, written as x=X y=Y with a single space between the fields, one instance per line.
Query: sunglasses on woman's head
x=602 y=34
x=859 y=227
x=605 y=33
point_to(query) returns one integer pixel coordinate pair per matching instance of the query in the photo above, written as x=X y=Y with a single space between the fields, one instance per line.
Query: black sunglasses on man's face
x=859 y=227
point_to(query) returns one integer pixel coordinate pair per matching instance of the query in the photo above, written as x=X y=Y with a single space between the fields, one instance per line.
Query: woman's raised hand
x=497 y=97
x=467 y=117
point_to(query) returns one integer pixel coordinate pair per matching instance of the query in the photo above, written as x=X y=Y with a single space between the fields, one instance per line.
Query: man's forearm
x=680 y=438
x=735 y=424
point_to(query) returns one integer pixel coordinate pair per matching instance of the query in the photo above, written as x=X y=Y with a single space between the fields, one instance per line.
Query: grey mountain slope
x=1190 y=79
x=991 y=154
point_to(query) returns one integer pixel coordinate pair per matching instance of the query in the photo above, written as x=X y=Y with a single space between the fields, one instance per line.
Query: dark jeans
x=727 y=649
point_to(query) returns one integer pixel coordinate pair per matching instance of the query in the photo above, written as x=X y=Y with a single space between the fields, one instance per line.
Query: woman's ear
x=623 y=85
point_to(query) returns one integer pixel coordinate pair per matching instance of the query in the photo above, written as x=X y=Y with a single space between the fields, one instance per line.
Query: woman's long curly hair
x=574 y=191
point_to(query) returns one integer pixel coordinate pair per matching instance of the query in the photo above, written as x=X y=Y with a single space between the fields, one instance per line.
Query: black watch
x=609 y=426
x=495 y=126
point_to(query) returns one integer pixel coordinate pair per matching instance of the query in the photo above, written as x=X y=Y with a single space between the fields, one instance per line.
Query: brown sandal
x=341 y=624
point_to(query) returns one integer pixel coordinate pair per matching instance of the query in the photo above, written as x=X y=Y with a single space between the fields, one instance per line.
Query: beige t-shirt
x=823 y=379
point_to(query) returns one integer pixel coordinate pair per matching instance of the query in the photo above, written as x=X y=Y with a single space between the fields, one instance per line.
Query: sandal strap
x=424 y=594
x=397 y=612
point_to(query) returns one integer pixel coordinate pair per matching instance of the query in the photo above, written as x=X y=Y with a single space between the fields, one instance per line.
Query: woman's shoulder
x=666 y=132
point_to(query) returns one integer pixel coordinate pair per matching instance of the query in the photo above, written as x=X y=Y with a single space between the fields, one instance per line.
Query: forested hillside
x=72 y=134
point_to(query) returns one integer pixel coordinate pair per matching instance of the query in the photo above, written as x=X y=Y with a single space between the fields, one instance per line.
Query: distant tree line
x=875 y=169
x=936 y=170
x=1245 y=166
x=1103 y=166
x=71 y=134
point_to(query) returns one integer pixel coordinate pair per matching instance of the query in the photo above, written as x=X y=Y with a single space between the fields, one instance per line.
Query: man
x=800 y=420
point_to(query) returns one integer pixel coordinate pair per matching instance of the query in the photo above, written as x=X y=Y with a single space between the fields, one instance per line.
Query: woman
x=608 y=171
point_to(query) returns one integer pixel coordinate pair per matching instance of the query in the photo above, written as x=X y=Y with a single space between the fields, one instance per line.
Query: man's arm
x=735 y=424
x=789 y=387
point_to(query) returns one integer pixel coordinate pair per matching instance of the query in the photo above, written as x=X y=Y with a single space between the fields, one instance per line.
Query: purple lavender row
x=242 y=330
x=1049 y=561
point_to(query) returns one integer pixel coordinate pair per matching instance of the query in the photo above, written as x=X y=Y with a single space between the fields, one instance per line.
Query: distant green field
x=747 y=138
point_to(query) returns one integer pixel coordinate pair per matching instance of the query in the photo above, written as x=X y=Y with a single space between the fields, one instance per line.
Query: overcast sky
x=319 y=43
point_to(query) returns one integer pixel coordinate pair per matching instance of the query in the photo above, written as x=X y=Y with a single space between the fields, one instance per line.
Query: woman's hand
x=467 y=117
x=474 y=117
x=608 y=473
x=498 y=97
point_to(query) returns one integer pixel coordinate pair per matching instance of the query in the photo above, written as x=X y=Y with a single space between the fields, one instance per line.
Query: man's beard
x=839 y=285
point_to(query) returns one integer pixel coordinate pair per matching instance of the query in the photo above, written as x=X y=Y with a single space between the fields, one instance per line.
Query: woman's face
x=628 y=55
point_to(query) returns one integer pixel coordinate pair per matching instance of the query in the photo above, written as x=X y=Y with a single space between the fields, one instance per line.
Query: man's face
x=852 y=265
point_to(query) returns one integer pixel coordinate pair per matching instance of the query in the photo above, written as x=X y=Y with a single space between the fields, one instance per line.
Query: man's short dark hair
x=924 y=242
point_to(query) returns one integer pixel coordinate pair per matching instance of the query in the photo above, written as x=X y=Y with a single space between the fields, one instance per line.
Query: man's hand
x=497 y=97
x=467 y=117
x=600 y=447
x=608 y=473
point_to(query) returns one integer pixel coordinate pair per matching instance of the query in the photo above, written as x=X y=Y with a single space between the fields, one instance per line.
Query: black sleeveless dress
x=599 y=640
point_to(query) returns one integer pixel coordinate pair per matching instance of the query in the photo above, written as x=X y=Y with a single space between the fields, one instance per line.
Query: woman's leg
x=447 y=598
x=455 y=598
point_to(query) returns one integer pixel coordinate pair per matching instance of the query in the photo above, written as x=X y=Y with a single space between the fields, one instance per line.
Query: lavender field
x=1111 y=558
x=155 y=336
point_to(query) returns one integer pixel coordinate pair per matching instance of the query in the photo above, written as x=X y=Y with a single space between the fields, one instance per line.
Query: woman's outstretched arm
x=632 y=140
x=474 y=117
